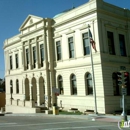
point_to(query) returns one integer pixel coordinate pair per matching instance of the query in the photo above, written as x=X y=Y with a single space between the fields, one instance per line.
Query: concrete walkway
x=92 y=117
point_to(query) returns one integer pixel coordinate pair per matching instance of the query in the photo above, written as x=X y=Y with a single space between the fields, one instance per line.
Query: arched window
x=17 y=86
x=60 y=84
x=88 y=79
x=73 y=84
x=11 y=86
x=116 y=87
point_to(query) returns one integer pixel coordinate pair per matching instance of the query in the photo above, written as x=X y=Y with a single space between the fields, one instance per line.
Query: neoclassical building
x=53 y=55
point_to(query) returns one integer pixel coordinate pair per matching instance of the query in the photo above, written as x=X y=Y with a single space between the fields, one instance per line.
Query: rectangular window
x=42 y=54
x=34 y=56
x=111 y=46
x=86 y=44
x=16 y=60
x=71 y=47
x=58 y=47
x=27 y=57
x=122 y=45
x=11 y=63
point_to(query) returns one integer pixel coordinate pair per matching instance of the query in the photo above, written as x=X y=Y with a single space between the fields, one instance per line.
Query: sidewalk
x=92 y=117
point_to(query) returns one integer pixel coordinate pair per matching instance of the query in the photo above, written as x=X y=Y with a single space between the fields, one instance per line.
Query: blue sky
x=14 y=12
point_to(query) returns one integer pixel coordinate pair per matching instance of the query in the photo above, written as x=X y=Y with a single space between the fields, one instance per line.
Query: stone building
x=53 y=54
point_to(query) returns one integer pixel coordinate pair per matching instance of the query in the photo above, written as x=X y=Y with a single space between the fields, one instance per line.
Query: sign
x=122 y=68
x=55 y=90
x=46 y=97
x=124 y=91
x=123 y=124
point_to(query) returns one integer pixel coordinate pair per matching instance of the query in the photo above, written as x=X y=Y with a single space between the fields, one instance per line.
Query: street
x=52 y=123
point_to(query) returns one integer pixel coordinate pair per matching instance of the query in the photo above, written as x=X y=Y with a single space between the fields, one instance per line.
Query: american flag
x=92 y=41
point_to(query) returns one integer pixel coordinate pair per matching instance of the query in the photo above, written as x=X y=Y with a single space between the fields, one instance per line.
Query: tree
x=2 y=84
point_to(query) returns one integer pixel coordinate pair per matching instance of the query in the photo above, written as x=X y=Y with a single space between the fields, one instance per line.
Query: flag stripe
x=92 y=41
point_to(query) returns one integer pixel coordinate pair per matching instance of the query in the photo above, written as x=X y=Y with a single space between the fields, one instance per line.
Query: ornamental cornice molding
x=10 y=51
x=16 y=50
x=70 y=31
x=57 y=36
x=85 y=26
x=11 y=43
x=32 y=24
x=32 y=32
x=76 y=17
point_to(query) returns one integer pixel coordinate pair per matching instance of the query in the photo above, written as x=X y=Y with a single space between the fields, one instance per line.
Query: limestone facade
x=51 y=53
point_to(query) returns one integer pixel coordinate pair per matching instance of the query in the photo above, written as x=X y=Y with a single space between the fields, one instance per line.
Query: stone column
x=20 y=58
x=38 y=95
x=31 y=90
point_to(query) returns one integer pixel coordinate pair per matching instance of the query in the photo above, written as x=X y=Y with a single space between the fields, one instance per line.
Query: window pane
x=74 y=85
x=85 y=35
x=116 y=88
x=110 y=39
x=71 y=47
x=42 y=54
x=70 y=39
x=60 y=85
x=122 y=45
x=16 y=60
x=86 y=51
x=89 y=83
x=11 y=63
x=59 y=56
x=34 y=54
x=86 y=44
x=58 y=47
x=17 y=86
x=27 y=56
x=72 y=54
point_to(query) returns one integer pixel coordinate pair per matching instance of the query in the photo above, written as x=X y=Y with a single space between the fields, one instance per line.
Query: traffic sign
x=124 y=91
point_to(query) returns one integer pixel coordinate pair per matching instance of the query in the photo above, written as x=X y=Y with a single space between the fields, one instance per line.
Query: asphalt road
x=52 y=123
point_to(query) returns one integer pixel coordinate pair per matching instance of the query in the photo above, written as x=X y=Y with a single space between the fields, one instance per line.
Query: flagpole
x=93 y=77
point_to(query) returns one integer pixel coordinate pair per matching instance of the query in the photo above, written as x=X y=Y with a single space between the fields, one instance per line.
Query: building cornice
x=75 y=18
x=32 y=32
x=11 y=43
